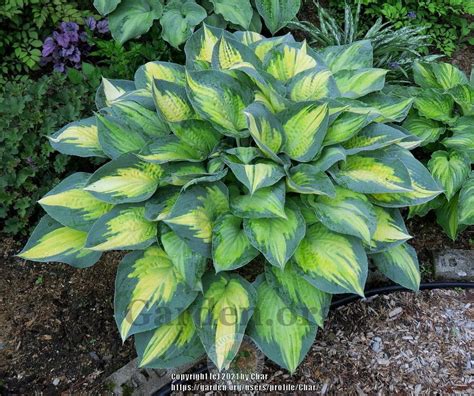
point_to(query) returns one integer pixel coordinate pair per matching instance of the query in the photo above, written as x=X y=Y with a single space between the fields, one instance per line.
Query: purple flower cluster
x=67 y=44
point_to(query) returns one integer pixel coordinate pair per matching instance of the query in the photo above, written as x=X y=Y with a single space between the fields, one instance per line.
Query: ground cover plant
x=178 y=19
x=394 y=48
x=258 y=160
x=443 y=118
x=29 y=111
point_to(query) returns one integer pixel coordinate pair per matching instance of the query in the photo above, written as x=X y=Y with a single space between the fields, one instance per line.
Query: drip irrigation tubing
x=166 y=390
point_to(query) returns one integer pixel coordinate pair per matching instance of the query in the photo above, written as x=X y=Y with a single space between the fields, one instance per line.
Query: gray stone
x=136 y=381
x=454 y=264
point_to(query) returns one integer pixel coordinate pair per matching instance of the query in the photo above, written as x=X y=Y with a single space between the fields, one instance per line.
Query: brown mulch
x=395 y=344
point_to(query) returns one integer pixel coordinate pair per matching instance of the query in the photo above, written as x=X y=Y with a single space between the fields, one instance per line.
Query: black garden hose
x=396 y=288
x=166 y=390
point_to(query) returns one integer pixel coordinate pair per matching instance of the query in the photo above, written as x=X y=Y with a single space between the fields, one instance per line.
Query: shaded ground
x=56 y=322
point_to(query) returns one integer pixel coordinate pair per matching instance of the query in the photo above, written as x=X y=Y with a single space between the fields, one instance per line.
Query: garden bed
x=57 y=322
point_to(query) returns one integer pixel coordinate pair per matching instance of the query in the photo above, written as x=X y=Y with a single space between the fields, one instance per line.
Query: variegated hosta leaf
x=245 y=155
x=447 y=75
x=357 y=83
x=200 y=135
x=391 y=109
x=313 y=84
x=78 y=138
x=308 y=179
x=125 y=179
x=266 y=45
x=328 y=157
x=182 y=173
x=190 y=265
x=220 y=99
x=305 y=125
x=159 y=206
x=462 y=138
x=123 y=228
x=424 y=186
x=194 y=213
x=170 y=149
x=165 y=71
x=263 y=173
x=140 y=118
x=423 y=209
x=373 y=173
x=305 y=299
x=332 y=262
x=231 y=247
x=247 y=37
x=265 y=129
x=373 y=137
x=277 y=238
x=447 y=216
x=426 y=129
x=424 y=76
x=72 y=206
x=199 y=47
x=117 y=138
x=110 y=91
x=277 y=13
x=463 y=95
x=435 y=105
x=229 y=53
x=346 y=125
x=400 y=264
x=51 y=241
x=450 y=170
x=173 y=344
x=354 y=56
x=172 y=102
x=264 y=203
x=466 y=202
x=149 y=292
x=390 y=230
x=287 y=60
x=347 y=212
x=283 y=335
x=221 y=315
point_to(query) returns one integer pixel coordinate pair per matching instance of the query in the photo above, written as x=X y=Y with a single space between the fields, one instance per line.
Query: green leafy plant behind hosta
x=178 y=19
x=443 y=118
x=394 y=48
x=259 y=156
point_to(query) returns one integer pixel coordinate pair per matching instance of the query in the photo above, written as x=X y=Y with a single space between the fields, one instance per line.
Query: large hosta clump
x=258 y=153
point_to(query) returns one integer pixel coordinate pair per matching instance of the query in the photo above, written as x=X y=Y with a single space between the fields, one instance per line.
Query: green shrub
x=132 y=18
x=443 y=118
x=29 y=111
x=260 y=154
x=23 y=26
x=445 y=20
x=394 y=48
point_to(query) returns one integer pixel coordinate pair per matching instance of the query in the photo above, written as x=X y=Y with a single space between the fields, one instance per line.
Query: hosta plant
x=178 y=18
x=250 y=185
x=443 y=118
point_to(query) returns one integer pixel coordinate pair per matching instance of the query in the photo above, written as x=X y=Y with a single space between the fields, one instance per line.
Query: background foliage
x=23 y=26
x=178 y=19
x=29 y=111
x=445 y=20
